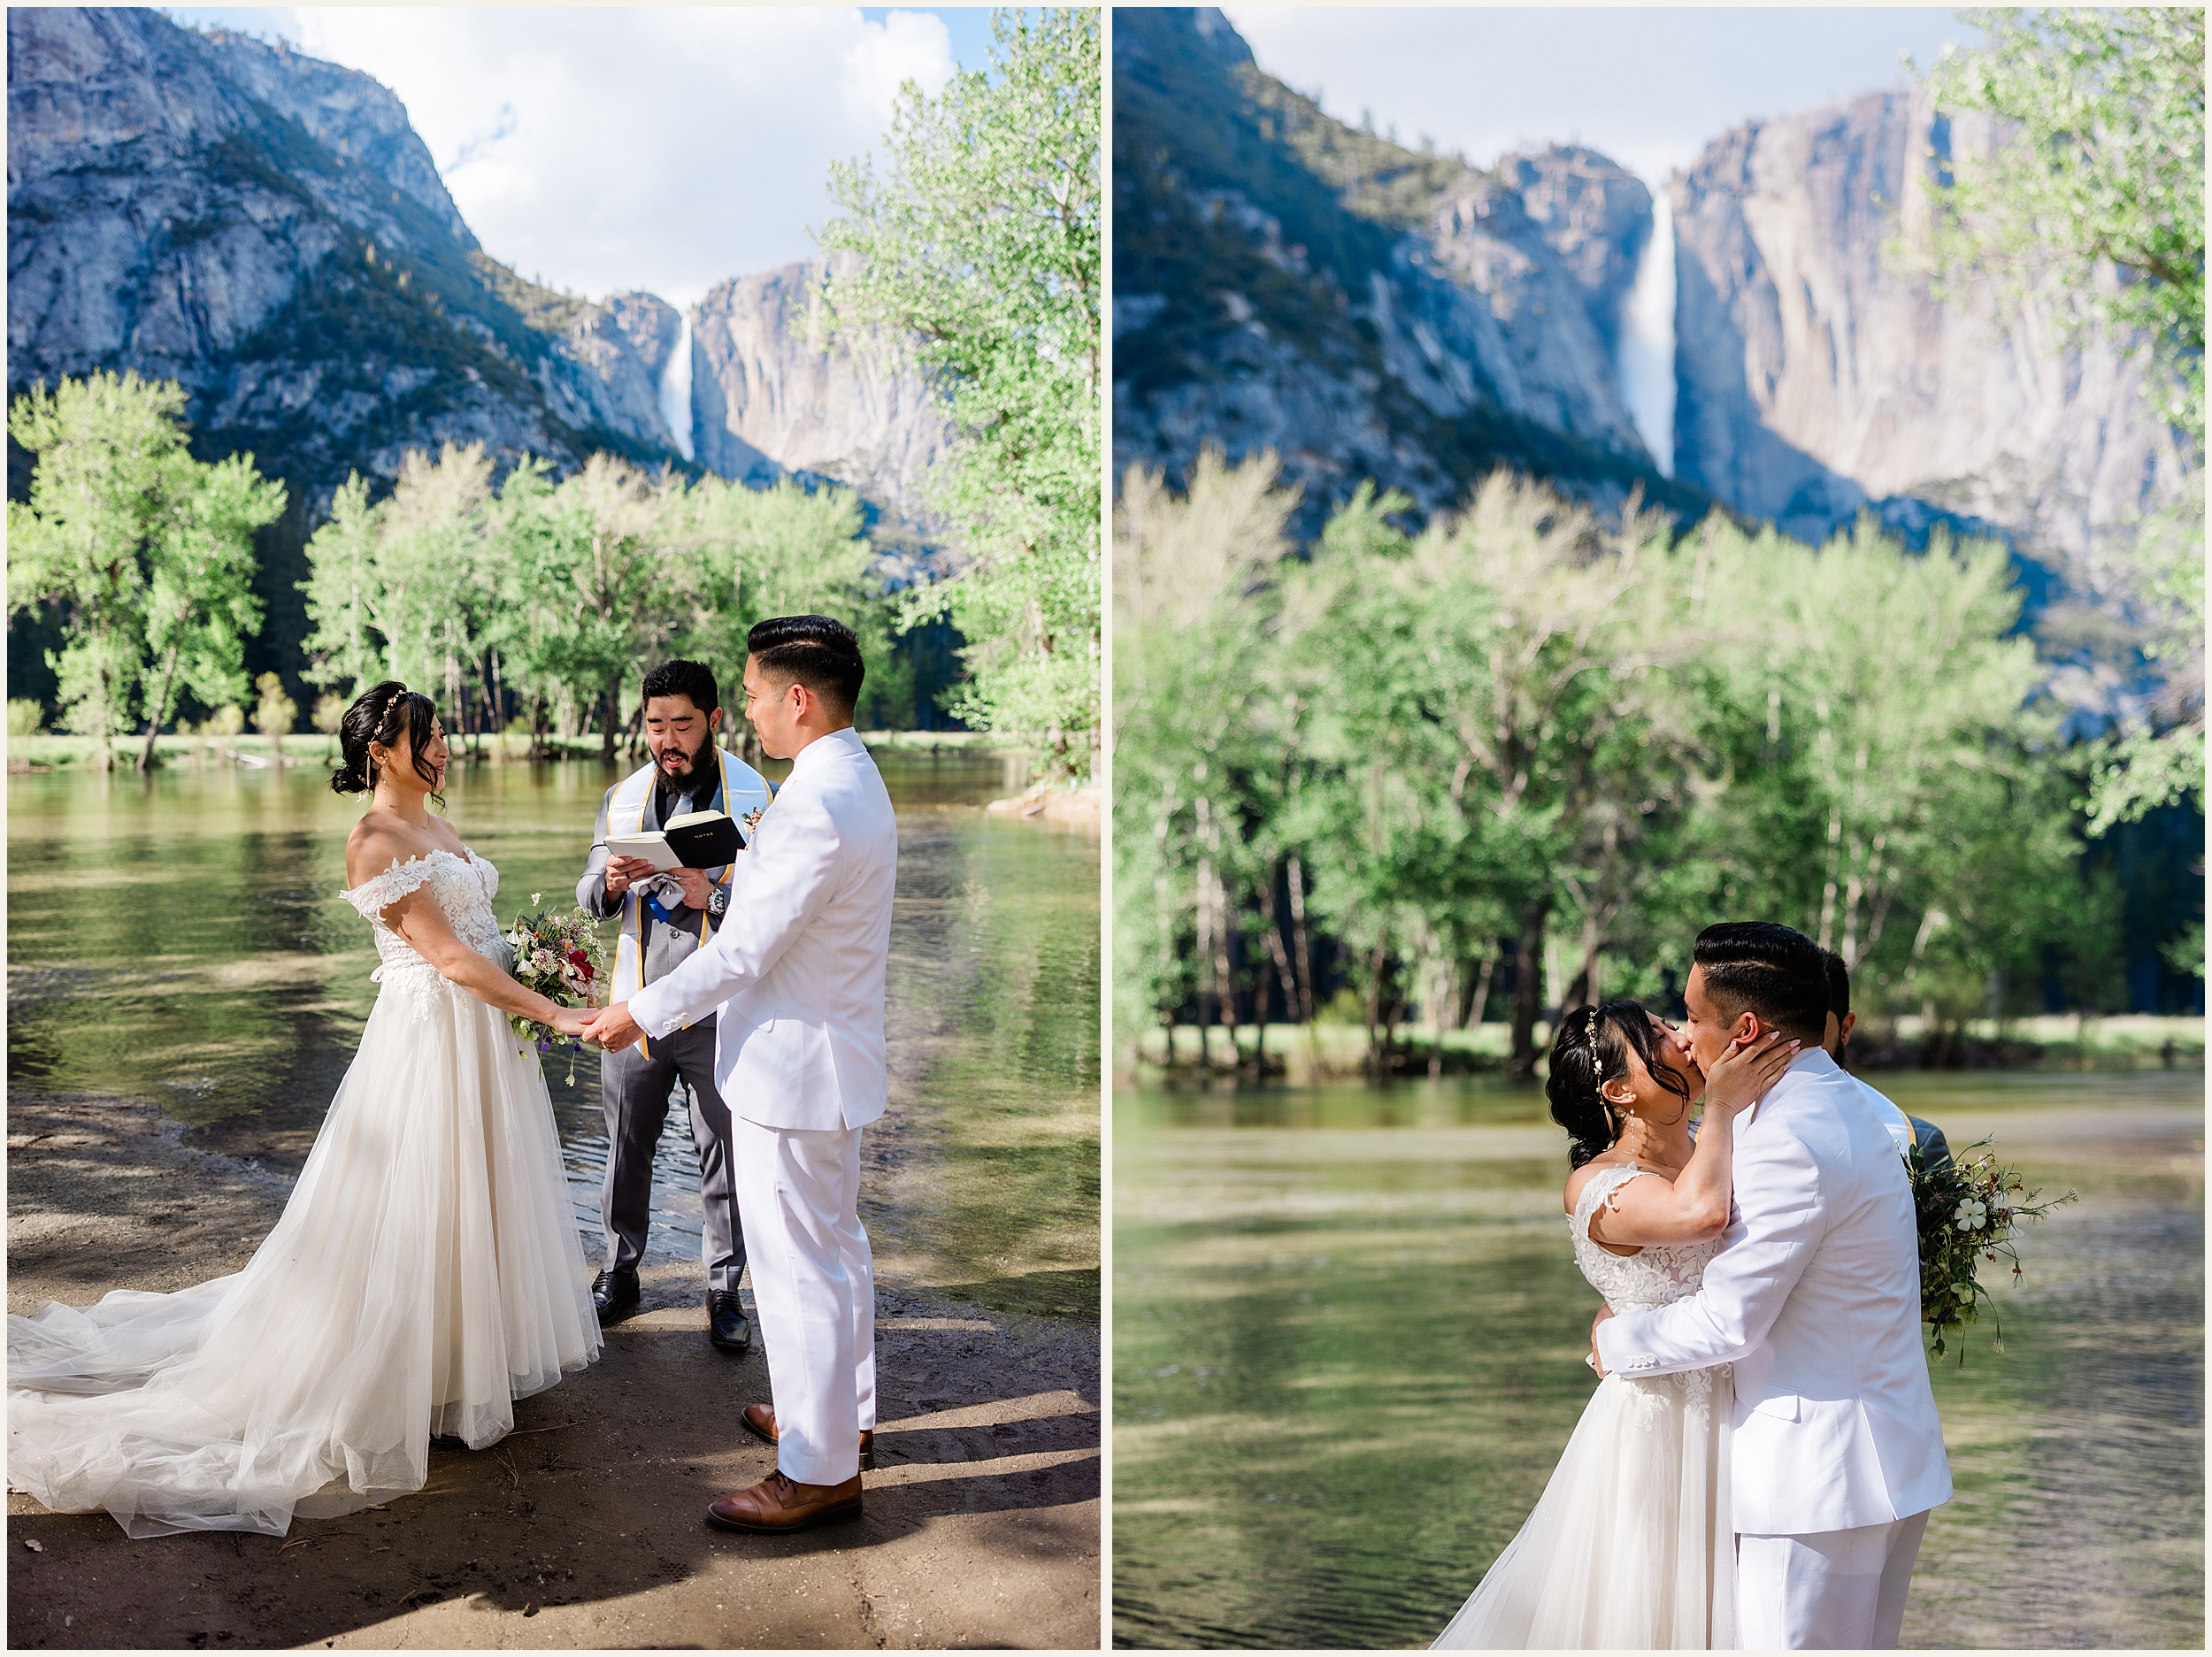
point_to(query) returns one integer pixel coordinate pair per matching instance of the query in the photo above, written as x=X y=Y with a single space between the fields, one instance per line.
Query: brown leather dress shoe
x=778 y=1504
x=760 y=1421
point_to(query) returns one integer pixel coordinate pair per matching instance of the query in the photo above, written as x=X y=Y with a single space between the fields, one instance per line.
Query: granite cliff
x=267 y=229
x=770 y=392
x=1816 y=373
x=1285 y=281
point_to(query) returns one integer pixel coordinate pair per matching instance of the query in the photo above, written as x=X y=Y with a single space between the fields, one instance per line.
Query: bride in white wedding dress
x=1631 y=1547
x=424 y=1274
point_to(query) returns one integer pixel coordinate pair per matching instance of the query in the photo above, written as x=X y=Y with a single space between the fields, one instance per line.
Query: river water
x=1348 y=1339
x=181 y=938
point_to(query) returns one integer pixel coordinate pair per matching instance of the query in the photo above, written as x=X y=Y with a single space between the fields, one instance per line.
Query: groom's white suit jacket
x=1815 y=1299
x=798 y=967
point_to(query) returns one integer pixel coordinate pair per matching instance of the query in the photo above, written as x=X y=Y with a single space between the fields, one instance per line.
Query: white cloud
x=1650 y=87
x=652 y=148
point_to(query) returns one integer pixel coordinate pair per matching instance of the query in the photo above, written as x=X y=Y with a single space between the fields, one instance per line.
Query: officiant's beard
x=691 y=761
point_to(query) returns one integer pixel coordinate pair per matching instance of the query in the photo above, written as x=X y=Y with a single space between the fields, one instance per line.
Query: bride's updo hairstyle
x=379 y=714
x=1591 y=1049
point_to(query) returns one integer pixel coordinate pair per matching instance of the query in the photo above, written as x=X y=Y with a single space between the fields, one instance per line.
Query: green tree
x=789 y=550
x=403 y=588
x=979 y=246
x=2156 y=758
x=2103 y=166
x=1192 y=614
x=200 y=600
x=147 y=553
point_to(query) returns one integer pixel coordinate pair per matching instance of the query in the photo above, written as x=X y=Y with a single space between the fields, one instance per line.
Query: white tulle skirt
x=425 y=1273
x=1631 y=1547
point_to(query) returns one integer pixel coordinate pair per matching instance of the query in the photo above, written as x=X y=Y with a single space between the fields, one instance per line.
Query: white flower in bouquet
x=1971 y=1214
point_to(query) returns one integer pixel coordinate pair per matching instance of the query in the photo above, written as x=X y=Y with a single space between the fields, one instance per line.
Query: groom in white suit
x=797 y=973
x=1837 y=1456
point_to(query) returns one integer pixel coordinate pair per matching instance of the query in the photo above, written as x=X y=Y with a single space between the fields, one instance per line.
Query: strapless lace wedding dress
x=425 y=1273
x=1630 y=1547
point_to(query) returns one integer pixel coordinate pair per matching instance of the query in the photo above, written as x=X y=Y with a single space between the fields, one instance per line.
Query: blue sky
x=661 y=149
x=1648 y=86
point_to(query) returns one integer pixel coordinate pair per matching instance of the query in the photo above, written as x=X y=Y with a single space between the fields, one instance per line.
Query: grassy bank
x=59 y=753
x=1301 y=1055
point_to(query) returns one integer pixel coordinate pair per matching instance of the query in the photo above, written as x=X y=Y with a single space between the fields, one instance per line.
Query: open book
x=695 y=839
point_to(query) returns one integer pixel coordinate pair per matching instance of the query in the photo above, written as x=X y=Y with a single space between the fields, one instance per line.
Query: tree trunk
x=1286 y=978
x=1301 y=951
x=1225 y=974
x=1528 y=987
x=1377 y=1050
x=161 y=706
x=1473 y=1015
x=613 y=717
x=1204 y=900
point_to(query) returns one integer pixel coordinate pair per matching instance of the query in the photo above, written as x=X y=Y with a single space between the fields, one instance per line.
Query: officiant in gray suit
x=665 y=916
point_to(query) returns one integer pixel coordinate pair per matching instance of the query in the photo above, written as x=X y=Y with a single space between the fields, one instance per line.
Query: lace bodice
x=465 y=889
x=1655 y=1275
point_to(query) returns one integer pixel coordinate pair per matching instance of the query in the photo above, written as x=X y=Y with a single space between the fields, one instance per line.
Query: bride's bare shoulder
x=1590 y=1169
x=376 y=843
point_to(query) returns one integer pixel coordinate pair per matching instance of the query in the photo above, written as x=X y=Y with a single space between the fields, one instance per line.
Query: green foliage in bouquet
x=1968 y=1213
x=563 y=958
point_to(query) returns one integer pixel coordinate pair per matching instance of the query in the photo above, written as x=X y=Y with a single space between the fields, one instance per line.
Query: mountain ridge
x=267 y=229
x=1285 y=281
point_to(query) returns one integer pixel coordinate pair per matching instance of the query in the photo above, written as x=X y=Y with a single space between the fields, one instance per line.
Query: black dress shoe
x=615 y=1295
x=727 y=1326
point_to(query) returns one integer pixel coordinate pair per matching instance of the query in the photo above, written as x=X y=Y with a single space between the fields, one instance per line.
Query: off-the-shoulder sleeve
x=1600 y=1189
x=378 y=894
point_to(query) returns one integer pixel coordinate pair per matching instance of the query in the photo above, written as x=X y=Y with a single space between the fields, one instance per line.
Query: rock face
x=1283 y=281
x=769 y=392
x=624 y=343
x=268 y=230
x=1814 y=376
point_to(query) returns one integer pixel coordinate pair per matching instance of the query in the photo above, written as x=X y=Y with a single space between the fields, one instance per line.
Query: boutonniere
x=751 y=819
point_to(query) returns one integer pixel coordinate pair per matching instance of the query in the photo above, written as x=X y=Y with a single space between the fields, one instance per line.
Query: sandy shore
x=583 y=1528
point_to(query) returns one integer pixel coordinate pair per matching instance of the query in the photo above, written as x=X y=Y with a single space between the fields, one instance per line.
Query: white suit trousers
x=1831 y=1590
x=814 y=1288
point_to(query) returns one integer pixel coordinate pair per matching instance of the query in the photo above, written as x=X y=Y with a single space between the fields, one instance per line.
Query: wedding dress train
x=425 y=1273
x=1631 y=1547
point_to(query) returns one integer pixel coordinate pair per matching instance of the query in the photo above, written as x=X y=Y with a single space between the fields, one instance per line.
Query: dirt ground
x=584 y=1527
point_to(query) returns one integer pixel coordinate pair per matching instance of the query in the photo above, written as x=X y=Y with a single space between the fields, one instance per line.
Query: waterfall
x=676 y=390
x=1647 y=365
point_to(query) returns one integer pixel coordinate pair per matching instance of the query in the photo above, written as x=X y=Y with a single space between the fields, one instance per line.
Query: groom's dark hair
x=818 y=652
x=1765 y=968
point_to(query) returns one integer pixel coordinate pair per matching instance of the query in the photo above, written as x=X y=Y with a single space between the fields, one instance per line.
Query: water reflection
x=179 y=938
x=1348 y=1333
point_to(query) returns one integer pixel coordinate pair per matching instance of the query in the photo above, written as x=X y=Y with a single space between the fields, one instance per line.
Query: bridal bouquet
x=562 y=958
x=1969 y=1211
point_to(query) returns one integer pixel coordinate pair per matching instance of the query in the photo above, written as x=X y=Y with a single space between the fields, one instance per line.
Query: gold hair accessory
x=1594 y=1032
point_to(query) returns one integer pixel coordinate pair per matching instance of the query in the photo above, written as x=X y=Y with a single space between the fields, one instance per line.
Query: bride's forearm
x=1705 y=1184
x=482 y=977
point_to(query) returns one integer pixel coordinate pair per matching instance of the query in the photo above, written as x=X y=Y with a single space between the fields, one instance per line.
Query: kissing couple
x=1756 y=1468
x=426 y=1272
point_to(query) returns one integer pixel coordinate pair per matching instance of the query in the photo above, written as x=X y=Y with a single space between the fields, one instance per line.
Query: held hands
x=569 y=1021
x=1740 y=1076
x=612 y=1029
